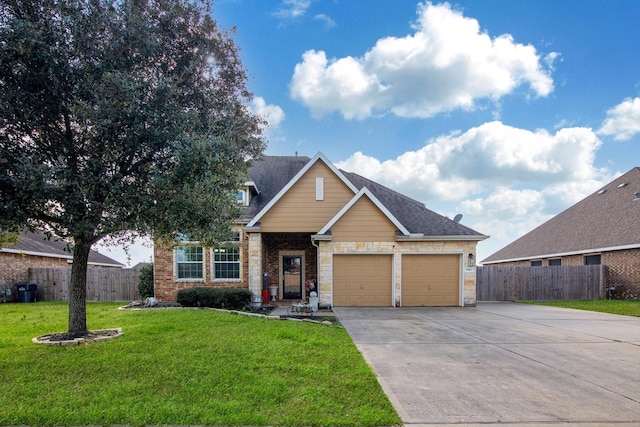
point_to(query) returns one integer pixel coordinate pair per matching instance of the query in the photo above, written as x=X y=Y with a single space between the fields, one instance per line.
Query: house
x=603 y=228
x=34 y=250
x=308 y=226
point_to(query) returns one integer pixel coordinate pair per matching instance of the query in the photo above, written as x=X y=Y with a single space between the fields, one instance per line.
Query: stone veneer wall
x=328 y=248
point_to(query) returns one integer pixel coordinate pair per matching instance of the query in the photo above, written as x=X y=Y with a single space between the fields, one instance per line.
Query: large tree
x=120 y=116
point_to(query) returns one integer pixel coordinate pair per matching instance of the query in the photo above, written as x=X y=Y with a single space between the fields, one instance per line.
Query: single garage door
x=362 y=280
x=430 y=280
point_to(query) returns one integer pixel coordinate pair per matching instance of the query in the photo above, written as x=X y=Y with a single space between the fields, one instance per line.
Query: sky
x=507 y=112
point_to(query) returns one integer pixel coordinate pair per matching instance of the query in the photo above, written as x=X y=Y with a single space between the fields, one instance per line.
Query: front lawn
x=613 y=306
x=184 y=366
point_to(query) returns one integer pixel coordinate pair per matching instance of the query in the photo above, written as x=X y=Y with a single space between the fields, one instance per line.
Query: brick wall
x=273 y=243
x=167 y=287
x=14 y=267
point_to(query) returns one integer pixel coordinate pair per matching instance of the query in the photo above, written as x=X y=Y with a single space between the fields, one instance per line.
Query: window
x=537 y=263
x=592 y=260
x=189 y=263
x=226 y=261
x=555 y=261
x=241 y=197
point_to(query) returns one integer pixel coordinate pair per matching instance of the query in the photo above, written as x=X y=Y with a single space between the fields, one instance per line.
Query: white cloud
x=446 y=64
x=292 y=9
x=273 y=114
x=623 y=120
x=328 y=21
x=504 y=180
x=457 y=165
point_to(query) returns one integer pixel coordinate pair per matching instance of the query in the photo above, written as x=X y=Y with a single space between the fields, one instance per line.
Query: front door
x=292 y=276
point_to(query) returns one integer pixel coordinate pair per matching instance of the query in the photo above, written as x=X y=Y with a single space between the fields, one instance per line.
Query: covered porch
x=287 y=262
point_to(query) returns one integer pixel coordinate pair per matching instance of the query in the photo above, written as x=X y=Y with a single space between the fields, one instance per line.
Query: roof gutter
x=69 y=258
x=559 y=254
x=423 y=238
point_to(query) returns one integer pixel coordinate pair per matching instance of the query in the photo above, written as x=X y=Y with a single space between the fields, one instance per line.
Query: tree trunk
x=78 y=289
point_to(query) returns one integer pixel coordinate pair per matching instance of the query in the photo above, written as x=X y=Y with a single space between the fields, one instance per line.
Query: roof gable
x=364 y=193
x=606 y=220
x=319 y=157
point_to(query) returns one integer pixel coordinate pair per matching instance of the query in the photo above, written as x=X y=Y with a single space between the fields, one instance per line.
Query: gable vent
x=319 y=188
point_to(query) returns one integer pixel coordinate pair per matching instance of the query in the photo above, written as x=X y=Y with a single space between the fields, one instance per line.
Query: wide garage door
x=430 y=280
x=362 y=280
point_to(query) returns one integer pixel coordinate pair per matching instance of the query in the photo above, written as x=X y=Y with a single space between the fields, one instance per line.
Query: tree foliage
x=117 y=116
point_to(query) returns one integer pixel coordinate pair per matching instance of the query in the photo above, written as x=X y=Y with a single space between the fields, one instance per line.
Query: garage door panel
x=431 y=280
x=362 y=280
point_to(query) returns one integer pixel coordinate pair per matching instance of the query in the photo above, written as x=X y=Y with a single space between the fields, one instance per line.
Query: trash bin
x=23 y=294
x=32 y=288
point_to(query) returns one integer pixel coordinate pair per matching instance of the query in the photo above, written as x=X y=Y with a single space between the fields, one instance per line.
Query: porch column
x=255 y=263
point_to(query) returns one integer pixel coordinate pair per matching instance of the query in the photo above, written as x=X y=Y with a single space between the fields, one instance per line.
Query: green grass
x=625 y=307
x=196 y=367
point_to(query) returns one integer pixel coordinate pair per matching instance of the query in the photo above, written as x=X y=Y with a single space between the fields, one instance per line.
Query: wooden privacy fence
x=103 y=284
x=510 y=283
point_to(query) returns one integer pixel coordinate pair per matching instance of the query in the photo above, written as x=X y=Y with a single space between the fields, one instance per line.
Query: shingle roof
x=607 y=219
x=37 y=244
x=274 y=172
x=411 y=213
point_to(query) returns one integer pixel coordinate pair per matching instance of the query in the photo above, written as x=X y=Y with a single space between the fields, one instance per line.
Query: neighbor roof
x=606 y=220
x=272 y=174
x=37 y=244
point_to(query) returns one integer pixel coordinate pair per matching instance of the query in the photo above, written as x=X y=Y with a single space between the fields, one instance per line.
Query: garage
x=362 y=280
x=430 y=280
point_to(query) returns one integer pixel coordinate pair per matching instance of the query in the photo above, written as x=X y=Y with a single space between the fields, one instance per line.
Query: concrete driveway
x=505 y=363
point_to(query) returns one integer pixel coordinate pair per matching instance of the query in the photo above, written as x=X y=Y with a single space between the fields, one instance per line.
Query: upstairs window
x=241 y=197
x=189 y=263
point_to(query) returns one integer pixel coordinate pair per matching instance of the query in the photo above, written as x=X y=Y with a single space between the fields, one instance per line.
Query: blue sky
x=507 y=112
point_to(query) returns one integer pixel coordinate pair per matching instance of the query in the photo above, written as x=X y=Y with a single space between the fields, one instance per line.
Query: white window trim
x=213 y=260
x=175 y=266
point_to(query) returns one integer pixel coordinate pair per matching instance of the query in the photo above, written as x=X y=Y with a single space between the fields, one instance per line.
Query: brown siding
x=299 y=211
x=364 y=222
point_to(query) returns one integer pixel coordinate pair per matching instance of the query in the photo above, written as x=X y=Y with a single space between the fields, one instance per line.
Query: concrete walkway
x=502 y=363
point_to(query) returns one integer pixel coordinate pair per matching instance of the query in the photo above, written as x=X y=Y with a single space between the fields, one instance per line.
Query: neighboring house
x=309 y=226
x=33 y=250
x=603 y=228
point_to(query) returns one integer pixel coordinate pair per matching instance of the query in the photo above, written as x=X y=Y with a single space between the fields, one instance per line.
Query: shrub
x=229 y=298
x=145 y=281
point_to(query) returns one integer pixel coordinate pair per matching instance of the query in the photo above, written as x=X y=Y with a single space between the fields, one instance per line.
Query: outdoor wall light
x=471 y=261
